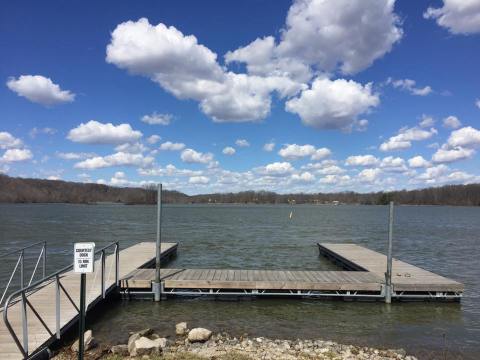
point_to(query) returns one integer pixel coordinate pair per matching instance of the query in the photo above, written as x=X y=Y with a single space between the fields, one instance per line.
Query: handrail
x=21 y=249
x=22 y=293
x=20 y=263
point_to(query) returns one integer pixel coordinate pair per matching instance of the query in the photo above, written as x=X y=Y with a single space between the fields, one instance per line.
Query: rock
x=199 y=335
x=145 y=346
x=137 y=335
x=121 y=350
x=131 y=342
x=181 y=328
x=88 y=342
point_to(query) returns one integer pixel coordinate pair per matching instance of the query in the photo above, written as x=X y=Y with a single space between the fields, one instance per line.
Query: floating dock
x=364 y=280
x=408 y=280
x=51 y=309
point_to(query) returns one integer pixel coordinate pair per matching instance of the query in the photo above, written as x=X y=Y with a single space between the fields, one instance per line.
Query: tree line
x=20 y=190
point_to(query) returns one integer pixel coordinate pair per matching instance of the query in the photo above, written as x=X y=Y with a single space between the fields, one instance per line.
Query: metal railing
x=20 y=264
x=22 y=297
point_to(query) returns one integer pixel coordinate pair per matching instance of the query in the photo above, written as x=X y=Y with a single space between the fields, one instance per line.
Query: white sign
x=83 y=257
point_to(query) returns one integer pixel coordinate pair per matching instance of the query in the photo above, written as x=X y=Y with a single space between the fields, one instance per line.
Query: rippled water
x=444 y=240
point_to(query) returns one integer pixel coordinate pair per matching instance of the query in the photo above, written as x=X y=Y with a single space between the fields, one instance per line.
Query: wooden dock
x=270 y=280
x=43 y=299
x=406 y=278
x=365 y=280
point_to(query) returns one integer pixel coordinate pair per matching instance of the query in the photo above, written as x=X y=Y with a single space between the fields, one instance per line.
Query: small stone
x=121 y=350
x=199 y=335
x=181 y=329
x=88 y=342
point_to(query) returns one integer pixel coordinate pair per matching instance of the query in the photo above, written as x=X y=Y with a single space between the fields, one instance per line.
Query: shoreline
x=202 y=344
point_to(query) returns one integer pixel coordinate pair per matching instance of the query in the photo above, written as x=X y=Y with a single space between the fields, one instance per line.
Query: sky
x=219 y=96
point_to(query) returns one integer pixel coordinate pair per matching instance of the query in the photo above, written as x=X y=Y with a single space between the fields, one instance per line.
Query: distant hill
x=20 y=190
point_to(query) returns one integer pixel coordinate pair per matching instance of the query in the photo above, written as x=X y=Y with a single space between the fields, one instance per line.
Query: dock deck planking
x=405 y=277
x=256 y=279
x=43 y=300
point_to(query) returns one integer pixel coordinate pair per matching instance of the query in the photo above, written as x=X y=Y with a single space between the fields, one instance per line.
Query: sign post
x=83 y=263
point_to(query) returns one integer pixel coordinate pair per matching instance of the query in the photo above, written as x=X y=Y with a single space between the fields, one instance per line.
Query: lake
x=445 y=240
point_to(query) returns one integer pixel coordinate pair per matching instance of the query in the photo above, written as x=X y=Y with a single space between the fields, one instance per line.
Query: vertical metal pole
x=57 y=306
x=156 y=287
x=388 y=274
x=44 y=259
x=24 y=323
x=81 y=319
x=117 y=261
x=23 y=303
x=103 y=273
x=22 y=276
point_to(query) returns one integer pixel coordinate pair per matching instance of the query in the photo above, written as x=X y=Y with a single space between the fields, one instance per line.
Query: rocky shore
x=202 y=344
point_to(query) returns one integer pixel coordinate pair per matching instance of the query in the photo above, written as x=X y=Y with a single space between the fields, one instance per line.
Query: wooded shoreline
x=22 y=190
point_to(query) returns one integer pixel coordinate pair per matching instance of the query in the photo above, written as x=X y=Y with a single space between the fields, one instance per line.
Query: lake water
x=445 y=240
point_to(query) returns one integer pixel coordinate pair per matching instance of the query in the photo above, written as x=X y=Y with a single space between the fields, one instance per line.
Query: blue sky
x=207 y=96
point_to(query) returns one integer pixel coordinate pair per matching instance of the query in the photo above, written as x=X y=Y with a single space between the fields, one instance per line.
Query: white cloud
x=94 y=132
x=134 y=148
x=465 y=137
x=189 y=70
x=157 y=119
x=119 y=179
x=331 y=170
x=295 y=152
x=405 y=137
x=477 y=103
x=54 y=177
x=269 y=146
x=325 y=35
x=452 y=122
x=446 y=154
x=418 y=162
x=334 y=179
x=321 y=154
x=364 y=31
x=306 y=177
x=432 y=173
x=461 y=177
x=46 y=131
x=426 y=122
x=153 y=139
x=74 y=156
x=192 y=156
x=117 y=159
x=333 y=104
x=362 y=160
x=171 y=146
x=39 y=89
x=228 y=150
x=369 y=175
x=410 y=86
x=458 y=16
x=361 y=125
x=393 y=164
x=276 y=169
x=8 y=141
x=242 y=143
x=169 y=170
x=198 y=180
x=16 y=155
